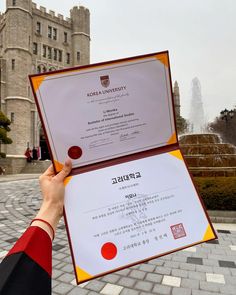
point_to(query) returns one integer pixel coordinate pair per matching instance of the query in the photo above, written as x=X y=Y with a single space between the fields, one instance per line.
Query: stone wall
x=13 y=165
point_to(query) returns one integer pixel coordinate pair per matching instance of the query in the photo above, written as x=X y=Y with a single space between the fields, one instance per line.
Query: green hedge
x=218 y=193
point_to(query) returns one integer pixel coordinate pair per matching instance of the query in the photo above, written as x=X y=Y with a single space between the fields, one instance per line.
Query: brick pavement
x=206 y=269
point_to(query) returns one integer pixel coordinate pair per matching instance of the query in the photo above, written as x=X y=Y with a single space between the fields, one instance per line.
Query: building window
x=14 y=2
x=78 y=56
x=49 y=53
x=60 y=55
x=44 y=50
x=49 y=32
x=13 y=64
x=55 y=54
x=54 y=34
x=12 y=117
x=44 y=69
x=35 y=48
x=65 y=37
x=38 y=27
x=68 y=58
x=29 y=93
x=38 y=69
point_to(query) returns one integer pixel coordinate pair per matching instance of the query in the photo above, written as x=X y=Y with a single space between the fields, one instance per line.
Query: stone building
x=33 y=40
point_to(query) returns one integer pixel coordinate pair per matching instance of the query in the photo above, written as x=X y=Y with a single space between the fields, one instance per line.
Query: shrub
x=218 y=193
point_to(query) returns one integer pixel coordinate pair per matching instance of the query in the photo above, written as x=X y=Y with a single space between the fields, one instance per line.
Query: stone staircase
x=35 y=167
x=218 y=216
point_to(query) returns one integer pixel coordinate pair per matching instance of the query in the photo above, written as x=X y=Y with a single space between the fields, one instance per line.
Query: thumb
x=65 y=171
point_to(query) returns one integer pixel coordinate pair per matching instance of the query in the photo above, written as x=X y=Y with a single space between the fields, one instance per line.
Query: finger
x=65 y=170
x=49 y=171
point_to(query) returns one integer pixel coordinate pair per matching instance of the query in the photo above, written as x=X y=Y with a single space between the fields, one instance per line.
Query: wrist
x=50 y=212
x=54 y=209
x=54 y=206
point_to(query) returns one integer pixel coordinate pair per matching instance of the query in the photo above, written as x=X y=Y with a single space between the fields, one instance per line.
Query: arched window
x=52 y=69
x=38 y=69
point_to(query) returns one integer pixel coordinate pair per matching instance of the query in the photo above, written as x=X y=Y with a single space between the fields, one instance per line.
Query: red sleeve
x=36 y=243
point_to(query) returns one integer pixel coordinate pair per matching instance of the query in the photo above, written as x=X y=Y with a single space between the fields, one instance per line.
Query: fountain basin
x=199 y=138
x=205 y=149
x=206 y=155
x=211 y=160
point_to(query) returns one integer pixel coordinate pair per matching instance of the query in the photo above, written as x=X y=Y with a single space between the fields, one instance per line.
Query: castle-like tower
x=35 y=40
x=176 y=99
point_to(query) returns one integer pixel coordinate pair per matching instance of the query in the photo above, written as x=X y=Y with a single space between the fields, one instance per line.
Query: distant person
x=35 y=154
x=27 y=268
x=28 y=154
x=2 y=170
x=39 y=152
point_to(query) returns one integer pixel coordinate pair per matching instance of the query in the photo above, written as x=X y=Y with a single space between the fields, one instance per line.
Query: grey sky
x=199 y=34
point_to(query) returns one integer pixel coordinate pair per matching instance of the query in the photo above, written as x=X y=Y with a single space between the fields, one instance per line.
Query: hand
x=53 y=191
x=53 y=188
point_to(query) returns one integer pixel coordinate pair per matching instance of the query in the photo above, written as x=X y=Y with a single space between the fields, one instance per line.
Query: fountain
x=197 y=117
x=205 y=153
x=207 y=156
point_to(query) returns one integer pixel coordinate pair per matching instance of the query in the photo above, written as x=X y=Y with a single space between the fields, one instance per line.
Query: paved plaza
x=206 y=269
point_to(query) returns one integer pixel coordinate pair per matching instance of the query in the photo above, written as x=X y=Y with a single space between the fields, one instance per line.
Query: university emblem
x=105 y=81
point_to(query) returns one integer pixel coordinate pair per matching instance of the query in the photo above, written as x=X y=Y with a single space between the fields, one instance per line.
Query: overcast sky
x=199 y=34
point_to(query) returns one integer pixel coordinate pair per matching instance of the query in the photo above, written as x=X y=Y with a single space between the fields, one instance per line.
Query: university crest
x=105 y=81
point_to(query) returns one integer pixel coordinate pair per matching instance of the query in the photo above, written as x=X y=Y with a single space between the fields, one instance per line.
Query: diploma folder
x=130 y=197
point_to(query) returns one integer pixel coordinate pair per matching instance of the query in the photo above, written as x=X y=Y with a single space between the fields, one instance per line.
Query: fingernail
x=67 y=162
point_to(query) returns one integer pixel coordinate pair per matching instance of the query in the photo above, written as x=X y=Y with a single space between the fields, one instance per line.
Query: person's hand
x=53 y=191
x=53 y=188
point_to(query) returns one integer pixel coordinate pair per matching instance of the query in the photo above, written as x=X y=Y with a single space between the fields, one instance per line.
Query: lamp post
x=226 y=115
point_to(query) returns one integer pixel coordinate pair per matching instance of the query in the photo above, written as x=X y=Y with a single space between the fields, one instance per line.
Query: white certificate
x=128 y=213
x=131 y=197
x=108 y=111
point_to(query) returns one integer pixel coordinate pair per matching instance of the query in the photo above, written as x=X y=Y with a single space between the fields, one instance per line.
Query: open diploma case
x=130 y=197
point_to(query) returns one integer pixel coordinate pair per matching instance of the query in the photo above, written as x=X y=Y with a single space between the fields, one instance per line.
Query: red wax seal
x=75 y=152
x=109 y=251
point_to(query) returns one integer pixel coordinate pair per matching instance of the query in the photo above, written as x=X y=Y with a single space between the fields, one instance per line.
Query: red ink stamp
x=178 y=231
x=75 y=152
x=109 y=251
